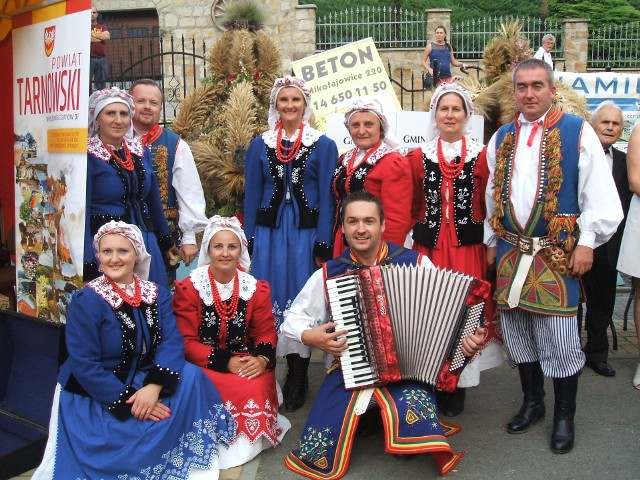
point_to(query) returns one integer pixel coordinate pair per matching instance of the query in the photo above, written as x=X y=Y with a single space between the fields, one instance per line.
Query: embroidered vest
x=163 y=153
x=288 y=176
x=396 y=256
x=468 y=231
x=549 y=287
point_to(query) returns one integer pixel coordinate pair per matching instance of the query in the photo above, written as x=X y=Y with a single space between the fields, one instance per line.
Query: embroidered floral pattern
x=419 y=405
x=96 y=148
x=315 y=443
x=254 y=421
x=148 y=291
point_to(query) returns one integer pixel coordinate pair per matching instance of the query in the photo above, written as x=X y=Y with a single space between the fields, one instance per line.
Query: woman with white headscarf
x=121 y=184
x=451 y=175
x=229 y=331
x=374 y=165
x=127 y=403
x=288 y=212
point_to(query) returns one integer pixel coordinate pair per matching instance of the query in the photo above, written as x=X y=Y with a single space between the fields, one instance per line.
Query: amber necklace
x=133 y=300
x=286 y=154
x=126 y=164
x=451 y=170
x=225 y=311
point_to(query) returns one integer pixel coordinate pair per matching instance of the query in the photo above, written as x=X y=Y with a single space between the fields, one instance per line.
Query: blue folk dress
x=114 y=350
x=289 y=210
x=114 y=193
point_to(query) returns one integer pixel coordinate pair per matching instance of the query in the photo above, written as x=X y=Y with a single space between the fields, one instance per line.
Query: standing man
x=544 y=52
x=550 y=201
x=408 y=407
x=600 y=282
x=99 y=36
x=180 y=188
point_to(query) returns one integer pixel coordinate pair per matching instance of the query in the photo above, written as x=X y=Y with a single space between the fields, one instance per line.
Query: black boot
x=299 y=385
x=288 y=381
x=532 y=409
x=565 y=390
x=452 y=404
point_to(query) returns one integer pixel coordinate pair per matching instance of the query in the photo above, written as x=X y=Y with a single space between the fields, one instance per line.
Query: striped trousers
x=552 y=340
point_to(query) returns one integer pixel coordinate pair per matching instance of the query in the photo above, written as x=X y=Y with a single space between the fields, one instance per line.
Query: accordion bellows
x=405 y=322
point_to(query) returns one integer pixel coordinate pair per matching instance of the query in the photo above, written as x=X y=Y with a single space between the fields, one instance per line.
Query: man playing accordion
x=407 y=408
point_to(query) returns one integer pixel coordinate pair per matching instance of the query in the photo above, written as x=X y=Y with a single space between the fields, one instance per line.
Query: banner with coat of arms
x=50 y=95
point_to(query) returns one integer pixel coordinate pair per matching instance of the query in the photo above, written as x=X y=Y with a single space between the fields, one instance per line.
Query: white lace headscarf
x=232 y=224
x=372 y=105
x=133 y=233
x=278 y=85
x=100 y=99
x=444 y=89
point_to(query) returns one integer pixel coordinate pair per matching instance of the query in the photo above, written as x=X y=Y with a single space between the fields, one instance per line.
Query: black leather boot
x=453 y=403
x=532 y=409
x=288 y=381
x=565 y=390
x=299 y=385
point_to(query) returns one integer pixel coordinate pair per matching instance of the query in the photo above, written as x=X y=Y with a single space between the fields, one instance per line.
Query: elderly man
x=550 y=201
x=408 y=407
x=544 y=52
x=600 y=282
x=180 y=188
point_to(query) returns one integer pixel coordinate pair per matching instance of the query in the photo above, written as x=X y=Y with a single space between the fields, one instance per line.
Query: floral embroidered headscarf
x=133 y=233
x=279 y=84
x=216 y=224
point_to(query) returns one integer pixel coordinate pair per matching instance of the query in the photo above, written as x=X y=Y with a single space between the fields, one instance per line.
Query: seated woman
x=226 y=319
x=127 y=403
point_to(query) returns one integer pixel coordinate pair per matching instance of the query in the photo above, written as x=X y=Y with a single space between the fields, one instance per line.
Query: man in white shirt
x=180 y=188
x=550 y=201
x=408 y=407
x=544 y=52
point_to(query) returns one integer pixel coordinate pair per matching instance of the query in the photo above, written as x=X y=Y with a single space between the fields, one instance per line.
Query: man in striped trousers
x=551 y=200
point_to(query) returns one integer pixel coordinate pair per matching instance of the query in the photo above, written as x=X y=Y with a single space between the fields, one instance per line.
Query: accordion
x=405 y=322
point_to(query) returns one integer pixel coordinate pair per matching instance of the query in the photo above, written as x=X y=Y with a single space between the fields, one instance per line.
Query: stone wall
x=292 y=26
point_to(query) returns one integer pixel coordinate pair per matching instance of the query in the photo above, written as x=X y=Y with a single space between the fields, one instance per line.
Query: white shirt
x=189 y=193
x=310 y=307
x=600 y=209
x=542 y=54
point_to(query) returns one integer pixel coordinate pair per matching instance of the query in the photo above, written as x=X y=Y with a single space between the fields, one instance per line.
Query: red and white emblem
x=49 y=39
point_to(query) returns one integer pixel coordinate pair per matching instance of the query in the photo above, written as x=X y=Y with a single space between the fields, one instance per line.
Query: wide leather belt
x=527 y=245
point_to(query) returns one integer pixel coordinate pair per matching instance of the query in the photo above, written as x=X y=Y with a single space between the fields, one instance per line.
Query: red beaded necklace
x=225 y=311
x=287 y=154
x=126 y=164
x=351 y=165
x=133 y=300
x=451 y=170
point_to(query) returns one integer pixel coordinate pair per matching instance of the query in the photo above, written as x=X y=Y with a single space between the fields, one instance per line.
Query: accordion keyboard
x=355 y=360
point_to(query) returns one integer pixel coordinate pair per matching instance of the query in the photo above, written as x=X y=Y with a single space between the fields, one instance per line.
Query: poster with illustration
x=51 y=90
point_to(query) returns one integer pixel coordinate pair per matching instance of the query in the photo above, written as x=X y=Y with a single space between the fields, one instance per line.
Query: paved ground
x=607 y=430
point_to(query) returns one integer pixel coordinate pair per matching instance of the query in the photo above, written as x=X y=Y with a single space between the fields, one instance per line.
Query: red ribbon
x=533 y=132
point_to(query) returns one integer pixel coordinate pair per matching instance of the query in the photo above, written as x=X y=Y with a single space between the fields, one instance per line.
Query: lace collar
x=382 y=150
x=309 y=136
x=200 y=279
x=430 y=150
x=96 y=148
x=148 y=291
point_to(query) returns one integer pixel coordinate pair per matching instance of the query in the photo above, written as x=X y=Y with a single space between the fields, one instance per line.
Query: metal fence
x=615 y=46
x=470 y=37
x=177 y=64
x=389 y=27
